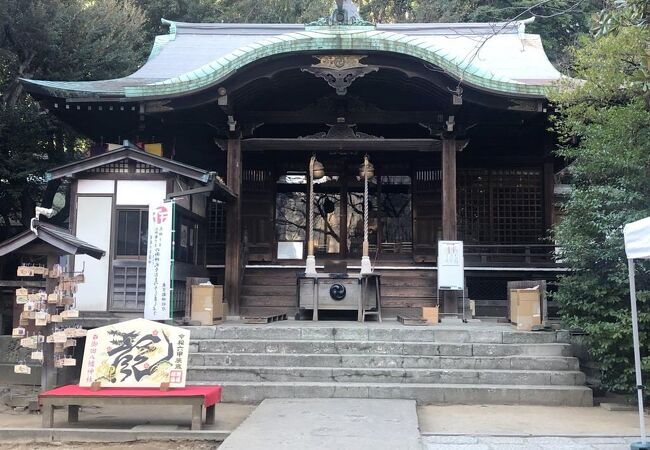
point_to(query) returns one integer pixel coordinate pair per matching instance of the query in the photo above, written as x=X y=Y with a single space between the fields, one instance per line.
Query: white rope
x=365 y=199
x=310 y=249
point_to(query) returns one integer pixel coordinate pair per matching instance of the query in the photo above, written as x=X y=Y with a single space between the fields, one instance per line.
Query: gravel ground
x=150 y=445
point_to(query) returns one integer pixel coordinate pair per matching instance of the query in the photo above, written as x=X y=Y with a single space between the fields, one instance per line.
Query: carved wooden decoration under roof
x=341 y=131
x=340 y=71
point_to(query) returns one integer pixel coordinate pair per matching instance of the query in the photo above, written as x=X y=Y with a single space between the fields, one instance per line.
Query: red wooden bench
x=73 y=397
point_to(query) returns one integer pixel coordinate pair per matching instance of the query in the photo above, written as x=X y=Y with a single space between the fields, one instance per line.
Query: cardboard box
x=528 y=309
x=430 y=314
x=514 y=296
x=529 y=295
x=526 y=323
x=519 y=296
x=207 y=303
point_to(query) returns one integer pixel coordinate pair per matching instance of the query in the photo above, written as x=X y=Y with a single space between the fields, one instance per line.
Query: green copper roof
x=335 y=38
x=197 y=56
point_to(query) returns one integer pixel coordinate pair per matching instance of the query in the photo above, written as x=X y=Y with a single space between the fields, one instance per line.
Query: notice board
x=159 y=293
x=451 y=266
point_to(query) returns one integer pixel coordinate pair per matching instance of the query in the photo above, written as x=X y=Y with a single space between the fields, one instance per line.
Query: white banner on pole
x=637 y=246
x=158 y=294
x=451 y=266
x=637 y=239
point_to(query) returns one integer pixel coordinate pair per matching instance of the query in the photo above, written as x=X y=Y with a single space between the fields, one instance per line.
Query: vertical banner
x=451 y=267
x=159 y=289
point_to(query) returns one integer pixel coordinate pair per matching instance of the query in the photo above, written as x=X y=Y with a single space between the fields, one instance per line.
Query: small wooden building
x=452 y=116
x=111 y=194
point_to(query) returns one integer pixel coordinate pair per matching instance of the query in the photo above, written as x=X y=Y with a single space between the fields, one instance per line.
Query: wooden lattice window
x=256 y=180
x=474 y=205
x=132 y=233
x=115 y=167
x=217 y=222
x=146 y=168
x=129 y=282
x=216 y=238
x=500 y=206
x=518 y=206
x=427 y=180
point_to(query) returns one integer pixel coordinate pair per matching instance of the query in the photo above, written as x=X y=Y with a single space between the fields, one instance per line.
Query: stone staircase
x=461 y=364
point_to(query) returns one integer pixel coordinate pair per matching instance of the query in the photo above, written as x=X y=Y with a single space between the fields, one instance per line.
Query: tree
x=559 y=22
x=56 y=40
x=608 y=114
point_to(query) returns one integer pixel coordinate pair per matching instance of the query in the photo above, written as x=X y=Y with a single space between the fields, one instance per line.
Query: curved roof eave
x=338 y=39
x=463 y=66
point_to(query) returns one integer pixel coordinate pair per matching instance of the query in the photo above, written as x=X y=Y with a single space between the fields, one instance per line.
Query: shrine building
x=238 y=122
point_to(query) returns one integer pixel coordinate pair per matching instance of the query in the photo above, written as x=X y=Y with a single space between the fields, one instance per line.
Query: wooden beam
x=220 y=191
x=233 y=267
x=312 y=115
x=329 y=145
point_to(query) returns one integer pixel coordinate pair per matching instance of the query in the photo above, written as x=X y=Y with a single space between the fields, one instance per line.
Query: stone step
x=377 y=347
x=384 y=361
x=379 y=375
x=291 y=330
x=255 y=392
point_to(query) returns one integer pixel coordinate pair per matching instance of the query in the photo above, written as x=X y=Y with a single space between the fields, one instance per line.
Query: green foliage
x=559 y=22
x=622 y=13
x=231 y=11
x=607 y=114
x=59 y=40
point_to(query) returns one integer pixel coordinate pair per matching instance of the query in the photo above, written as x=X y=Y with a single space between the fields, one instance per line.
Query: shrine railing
x=523 y=255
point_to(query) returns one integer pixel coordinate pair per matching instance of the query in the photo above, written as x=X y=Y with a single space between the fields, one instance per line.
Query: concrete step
x=383 y=361
x=255 y=392
x=293 y=330
x=380 y=375
x=377 y=347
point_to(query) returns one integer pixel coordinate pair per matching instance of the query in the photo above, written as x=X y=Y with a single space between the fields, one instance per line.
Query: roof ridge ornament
x=345 y=13
x=171 y=24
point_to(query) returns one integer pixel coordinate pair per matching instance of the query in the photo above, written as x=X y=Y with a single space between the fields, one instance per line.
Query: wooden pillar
x=233 y=269
x=449 y=226
x=449 y=221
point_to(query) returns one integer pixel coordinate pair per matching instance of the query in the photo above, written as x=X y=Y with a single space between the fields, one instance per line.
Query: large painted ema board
x=137 y=353
x=451 y=266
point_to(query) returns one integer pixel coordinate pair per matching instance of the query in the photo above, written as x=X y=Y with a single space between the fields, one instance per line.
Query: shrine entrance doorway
x=338 y=211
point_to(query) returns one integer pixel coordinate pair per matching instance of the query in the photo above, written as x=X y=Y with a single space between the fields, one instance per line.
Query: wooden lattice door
x=258 y=206
x=427 y=214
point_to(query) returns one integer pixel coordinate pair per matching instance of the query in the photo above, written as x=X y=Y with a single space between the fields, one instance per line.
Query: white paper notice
x=451 y=266
x=158 y=294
